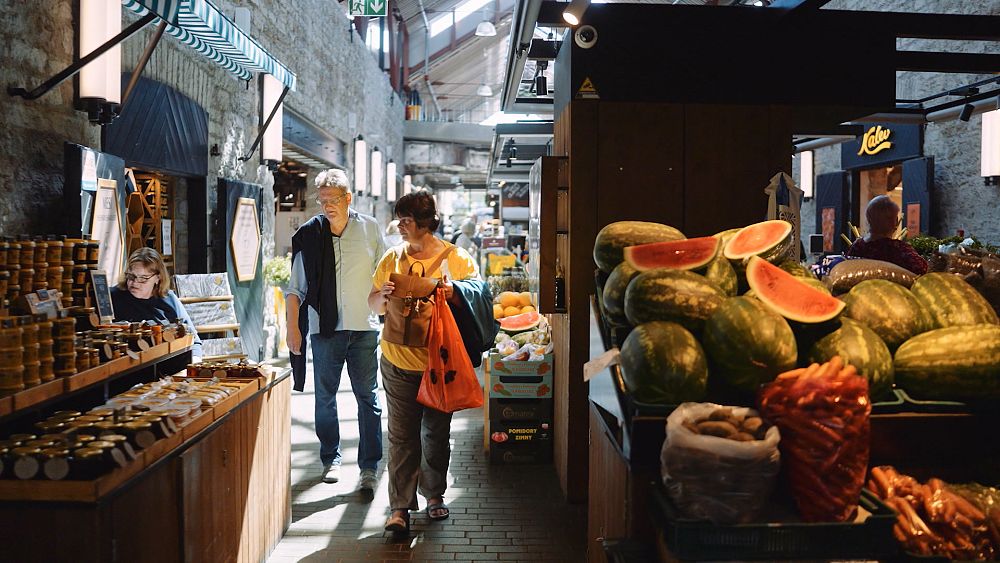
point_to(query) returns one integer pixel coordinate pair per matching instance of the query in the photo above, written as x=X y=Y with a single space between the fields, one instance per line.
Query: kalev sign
x=875 y=141
x=880 y=144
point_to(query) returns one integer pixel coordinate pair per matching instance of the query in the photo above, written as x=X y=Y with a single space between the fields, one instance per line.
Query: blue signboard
x=882 y=143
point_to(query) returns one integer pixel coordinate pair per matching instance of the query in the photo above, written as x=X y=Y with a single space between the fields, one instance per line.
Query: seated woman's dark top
x=132 y=309
x=898 y=252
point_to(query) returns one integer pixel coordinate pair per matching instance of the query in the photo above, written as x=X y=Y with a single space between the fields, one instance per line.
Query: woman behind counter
x=143 y=294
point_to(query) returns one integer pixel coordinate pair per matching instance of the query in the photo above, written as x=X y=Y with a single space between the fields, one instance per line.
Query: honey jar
x=55 y=463
x=4 y=248
x=41 y=250
x=110 y=453
x=25 y=461
x=87 y=463
x=26 y=256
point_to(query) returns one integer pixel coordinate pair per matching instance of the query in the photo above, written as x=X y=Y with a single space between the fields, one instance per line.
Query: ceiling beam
x=936 y=26
x=927 y=61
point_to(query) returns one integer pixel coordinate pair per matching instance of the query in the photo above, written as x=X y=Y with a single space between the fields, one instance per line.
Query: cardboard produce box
x=521 y=442
x=505 y=410
x=520 y=379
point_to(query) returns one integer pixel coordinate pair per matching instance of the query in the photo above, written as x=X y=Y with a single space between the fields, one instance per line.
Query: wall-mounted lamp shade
x=390 y=181
x=806 y=173
x=407 y=184
x=101 y=20
x=360 y=165
x=966 y=114
x=485 y=91
x=574 y=11
x=991 y=144
x=377 y=170
x=270 y=145
x=486 y=29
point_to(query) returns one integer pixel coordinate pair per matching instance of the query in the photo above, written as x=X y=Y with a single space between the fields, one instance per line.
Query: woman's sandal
x=440 y=508
x=398 y=524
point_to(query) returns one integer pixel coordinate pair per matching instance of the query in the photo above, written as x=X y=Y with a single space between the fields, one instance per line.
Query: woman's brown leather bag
x=411 y=304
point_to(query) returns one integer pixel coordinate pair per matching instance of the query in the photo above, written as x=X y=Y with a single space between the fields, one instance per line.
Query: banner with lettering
x=784 y=202
x=882 y=143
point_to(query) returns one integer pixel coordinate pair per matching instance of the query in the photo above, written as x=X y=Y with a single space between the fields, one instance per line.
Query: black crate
x=690 y=539
x=504 y=410
x=520 y=442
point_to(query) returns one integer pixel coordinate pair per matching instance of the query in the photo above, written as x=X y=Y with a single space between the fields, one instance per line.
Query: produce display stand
x=217 y=488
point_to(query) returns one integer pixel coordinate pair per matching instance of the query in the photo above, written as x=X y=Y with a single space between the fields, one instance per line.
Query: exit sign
x=369 y=8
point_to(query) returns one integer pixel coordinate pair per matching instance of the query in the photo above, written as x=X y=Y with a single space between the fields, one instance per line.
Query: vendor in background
x=878 y=244
x=144 y=294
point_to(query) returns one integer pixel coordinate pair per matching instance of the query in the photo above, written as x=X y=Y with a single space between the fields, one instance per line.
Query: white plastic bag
x=713 y=478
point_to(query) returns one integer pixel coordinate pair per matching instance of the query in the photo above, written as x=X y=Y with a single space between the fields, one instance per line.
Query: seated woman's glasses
x=129 y=276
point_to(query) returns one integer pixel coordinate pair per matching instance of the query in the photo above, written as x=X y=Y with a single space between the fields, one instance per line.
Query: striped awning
x=201 y=26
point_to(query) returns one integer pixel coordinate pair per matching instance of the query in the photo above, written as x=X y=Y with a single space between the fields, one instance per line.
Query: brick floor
x=498 y=513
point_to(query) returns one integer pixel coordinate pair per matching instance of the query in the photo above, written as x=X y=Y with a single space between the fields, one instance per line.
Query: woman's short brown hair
x=152 y=260
x=420 y=206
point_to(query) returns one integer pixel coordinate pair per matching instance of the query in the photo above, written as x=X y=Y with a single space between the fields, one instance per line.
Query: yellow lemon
x=524 y=298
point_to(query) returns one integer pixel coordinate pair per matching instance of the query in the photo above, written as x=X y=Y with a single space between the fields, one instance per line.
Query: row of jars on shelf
x=28 y=265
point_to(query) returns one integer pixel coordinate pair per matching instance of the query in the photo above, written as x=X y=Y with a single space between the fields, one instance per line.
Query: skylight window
x=461 y=11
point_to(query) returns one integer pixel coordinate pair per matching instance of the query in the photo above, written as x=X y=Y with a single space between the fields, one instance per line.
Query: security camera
x=585 y=36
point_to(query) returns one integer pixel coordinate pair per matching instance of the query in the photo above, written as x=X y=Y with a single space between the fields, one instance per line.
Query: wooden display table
x=217 y=490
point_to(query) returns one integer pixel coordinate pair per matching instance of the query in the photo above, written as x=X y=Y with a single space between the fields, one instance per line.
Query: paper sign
x=106 y=227
x=166 y=236
x=912 y=220
x=599 y=364
x=245 y=240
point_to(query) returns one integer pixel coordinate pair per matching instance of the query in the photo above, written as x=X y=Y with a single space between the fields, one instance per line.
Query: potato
x=721 y=414
x=752 y=424
x=743 y=437
x=718 y=428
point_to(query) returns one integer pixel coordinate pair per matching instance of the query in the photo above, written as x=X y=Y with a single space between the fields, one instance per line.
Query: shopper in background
x=392 y=236
x=883 y=220
x=467 y=237
x=419 y=449
x=144 y=294
x=333 y=257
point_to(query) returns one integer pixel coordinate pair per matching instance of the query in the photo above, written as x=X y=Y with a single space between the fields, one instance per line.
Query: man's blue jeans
x=357 y=348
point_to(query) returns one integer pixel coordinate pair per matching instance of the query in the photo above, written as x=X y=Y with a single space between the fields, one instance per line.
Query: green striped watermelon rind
x=771 y=240
x=862 y=348
x=720 y=272
x=790 y=297
x=663 y=364
x=747 y=344
x=613 y=296
x=671 y=295
x=889 y=309
x=611 y=241
x=951 y=301
x=685 y=254
x=955 y=363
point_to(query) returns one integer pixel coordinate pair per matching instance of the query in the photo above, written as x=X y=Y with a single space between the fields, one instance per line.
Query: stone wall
x=960 y=201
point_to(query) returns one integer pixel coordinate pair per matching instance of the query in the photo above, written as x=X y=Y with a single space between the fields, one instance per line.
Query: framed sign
x=106 y=227
x=102 y=296
x=245 y=239
x=167 y=236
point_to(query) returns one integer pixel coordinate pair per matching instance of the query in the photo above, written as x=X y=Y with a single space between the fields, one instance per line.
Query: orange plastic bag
x=449 y=383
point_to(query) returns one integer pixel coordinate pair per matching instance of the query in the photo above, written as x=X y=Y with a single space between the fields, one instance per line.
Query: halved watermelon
x=771 y=240
x=789 y=296
x=520 y=323
x=688 y=254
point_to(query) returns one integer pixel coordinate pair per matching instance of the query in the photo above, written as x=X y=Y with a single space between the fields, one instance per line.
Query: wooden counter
x=218 y=490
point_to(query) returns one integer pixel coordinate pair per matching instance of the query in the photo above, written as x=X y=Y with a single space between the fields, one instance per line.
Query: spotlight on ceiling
x=574 y=11
x=966 y=114
x=485 y=91
x=485 y=29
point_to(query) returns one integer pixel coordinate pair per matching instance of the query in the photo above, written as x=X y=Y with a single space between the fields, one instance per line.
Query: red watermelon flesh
x=758 y=238
x=788 y=296
x=688 y=254
x=520 y=323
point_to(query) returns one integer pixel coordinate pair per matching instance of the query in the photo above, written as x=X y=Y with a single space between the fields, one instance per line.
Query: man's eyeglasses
x=332 y=201
x=129 y=277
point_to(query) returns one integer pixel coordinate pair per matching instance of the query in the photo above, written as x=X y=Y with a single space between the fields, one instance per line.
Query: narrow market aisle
x=498 y=513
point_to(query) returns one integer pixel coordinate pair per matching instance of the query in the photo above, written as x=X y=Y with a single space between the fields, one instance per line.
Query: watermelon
x=520 y=323
x=810 y=281
x=663 y=364
x=721 y=273
x=725 y=236
x=615 y=237
x=961 y=362
x=789 y=296
x=614 y=293
x=686 y=254
x=860 y=347
x=796 y=269
x=951 y=301
x=887 y=308
x=671 y=295
x=771 y=240
x=747 y=344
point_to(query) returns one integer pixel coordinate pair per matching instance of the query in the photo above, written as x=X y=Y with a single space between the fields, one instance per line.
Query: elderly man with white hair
x=878 y=244
x=334 y=255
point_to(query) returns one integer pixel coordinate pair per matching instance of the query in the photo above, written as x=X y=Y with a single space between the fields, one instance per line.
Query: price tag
x=599 y=364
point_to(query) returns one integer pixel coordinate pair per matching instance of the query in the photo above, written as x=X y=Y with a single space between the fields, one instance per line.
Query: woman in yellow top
x=419 y=449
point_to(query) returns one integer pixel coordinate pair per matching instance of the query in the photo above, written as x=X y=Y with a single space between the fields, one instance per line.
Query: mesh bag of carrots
x=823 y=414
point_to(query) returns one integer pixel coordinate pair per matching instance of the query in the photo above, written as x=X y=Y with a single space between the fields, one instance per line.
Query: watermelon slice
x=788 y=296
x=689 y=254
x=771 y=240
x=520 y=323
